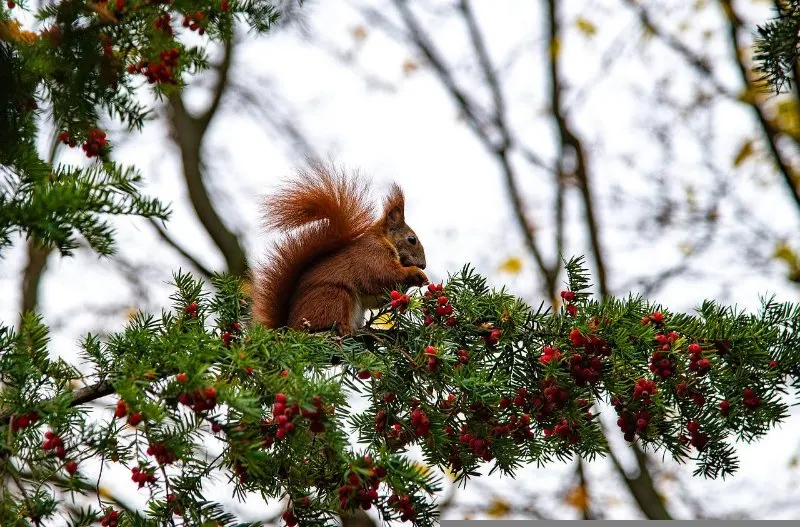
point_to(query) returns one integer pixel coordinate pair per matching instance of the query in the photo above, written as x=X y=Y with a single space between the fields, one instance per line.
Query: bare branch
x=205 y=271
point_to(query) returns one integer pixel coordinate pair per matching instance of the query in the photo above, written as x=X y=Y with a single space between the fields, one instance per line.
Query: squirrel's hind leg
x=324 y=307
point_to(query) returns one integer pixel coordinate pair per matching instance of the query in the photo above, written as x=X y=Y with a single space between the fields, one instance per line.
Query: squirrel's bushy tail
x=322 y=210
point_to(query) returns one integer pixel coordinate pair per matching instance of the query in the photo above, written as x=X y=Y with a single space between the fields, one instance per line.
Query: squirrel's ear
x=394 y=209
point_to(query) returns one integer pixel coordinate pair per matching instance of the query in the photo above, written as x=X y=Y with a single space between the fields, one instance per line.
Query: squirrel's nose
x=422 y=265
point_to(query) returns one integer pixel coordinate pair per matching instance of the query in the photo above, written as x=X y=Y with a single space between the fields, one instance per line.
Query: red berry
x=572 y=310
x=72 y=467
x=135 y=418
x=724 y=407
x=182 y=378
x=568 y=296
x=210 y=392
x=364 y=374
x=773 y=363
x=657 y=317
x=396 y=295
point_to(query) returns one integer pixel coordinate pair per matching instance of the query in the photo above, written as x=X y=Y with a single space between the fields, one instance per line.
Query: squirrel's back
x=319 y=212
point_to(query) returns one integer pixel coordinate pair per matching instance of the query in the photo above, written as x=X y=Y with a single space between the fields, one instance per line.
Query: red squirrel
x=335 y=257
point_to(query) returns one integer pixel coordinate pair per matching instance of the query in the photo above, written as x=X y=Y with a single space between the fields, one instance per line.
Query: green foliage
x=203 y=394
x=776 y=50
x=87 y=63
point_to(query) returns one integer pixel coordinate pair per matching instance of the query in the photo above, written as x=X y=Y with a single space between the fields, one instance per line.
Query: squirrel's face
x=404 y=239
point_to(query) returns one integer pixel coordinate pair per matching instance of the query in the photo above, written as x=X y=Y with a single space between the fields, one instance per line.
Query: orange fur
x=334 y=253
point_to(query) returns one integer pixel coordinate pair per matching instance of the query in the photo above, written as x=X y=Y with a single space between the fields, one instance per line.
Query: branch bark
x=571 y=144
x=771 y=134
x=189 y=136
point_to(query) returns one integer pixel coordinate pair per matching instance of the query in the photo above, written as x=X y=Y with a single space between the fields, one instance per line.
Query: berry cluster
x=656 y=318
x=200 y=400
x=697 y=363
x=316 y=415
x=289 y=517
x=231 y=333
x=402 y=503
x=569 y=298
x=163 y=455
x=282 y=415
x=20 y=422
x=682 y=389
x=433 y=360
x=643 y=390
x=661 y=365
x=122 y=410
x=437 y=306
x=53 y=442
x=142 y=476
x=161 y=72
x=698 y=439
x=111 y=519
x=362 y=490
x=421 y=421
x=67 y=139
x=399 y=301
x=96 y=143
x=191 y=310
x=586 y=368
x=550 y=354
x=493 y=337
x=751 y=400
x=479 y=446
x=632 y=422
x=463 y=358
x=194 y=21
x=163 y=23
x=564 y=430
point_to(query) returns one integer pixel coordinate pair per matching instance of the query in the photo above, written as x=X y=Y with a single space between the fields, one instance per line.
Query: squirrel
x=335 y=258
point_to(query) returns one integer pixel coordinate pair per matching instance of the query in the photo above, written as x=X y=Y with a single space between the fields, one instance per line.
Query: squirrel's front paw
x=417 y=277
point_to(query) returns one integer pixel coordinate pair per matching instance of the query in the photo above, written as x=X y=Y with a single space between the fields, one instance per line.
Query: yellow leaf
x=786 y=116
x=359 y=33
x=409 y=67
x=513 y=265
x=686 y=248
x=745 y=152
x=555 y=47
x=586 y=27
x=421 y=469
x=245 y=287
x=498 y=508
x=578 y=498
x=131 y=312
x=104 y=493
x=785 y=253
x=384 y=321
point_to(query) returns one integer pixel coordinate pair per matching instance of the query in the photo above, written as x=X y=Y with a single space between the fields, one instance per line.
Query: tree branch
x=770 y=133
x=205 y=271
x=573 y=143
x=189 y=136
x=499 y=151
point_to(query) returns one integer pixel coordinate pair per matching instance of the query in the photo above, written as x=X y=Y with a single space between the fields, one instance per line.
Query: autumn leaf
x=498 y=508
x=359 y=33
x=512 y=265
x=578 y=498
x=384 y=321
x=745 y=152
x=409 y=67
x=789 y=256
x=555 y=47
x=586 y=27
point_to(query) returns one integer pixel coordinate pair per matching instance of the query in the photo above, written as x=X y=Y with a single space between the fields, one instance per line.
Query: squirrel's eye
x=412 y=240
